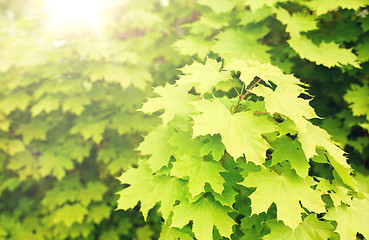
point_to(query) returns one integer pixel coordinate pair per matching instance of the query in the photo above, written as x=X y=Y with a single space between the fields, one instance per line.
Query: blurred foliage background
x=69 y=96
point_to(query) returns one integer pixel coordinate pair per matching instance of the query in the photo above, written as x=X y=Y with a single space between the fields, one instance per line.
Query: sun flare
x=74 y=11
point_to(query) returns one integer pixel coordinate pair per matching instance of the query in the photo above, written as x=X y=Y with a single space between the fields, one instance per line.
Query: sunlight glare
x=75 y=11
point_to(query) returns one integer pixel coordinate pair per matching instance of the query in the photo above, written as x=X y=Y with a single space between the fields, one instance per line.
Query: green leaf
x=199 y=172
x=362 y=50
x=313 y=137
x=75 y=104
x=310 y=228
x=255 y=5
x=241 y=132
x=250 y=69
x=123 y=75
x=351 y=219
x=46 y=104
x=219 y=6
x=90 y=128
x=192 y=45
x=170 y=233
x=25 y=165
x=286 y=191
x=204 y=77
x=323 y=6
x=173 y=99
x=238 y=44
x=205 y=213
x=34 y=130
x=358 y=98
x=291 y=150
x=298 y=22
x=156 y=145
x=96 y=213
x=15 y=100
x=160 y=188
x=325 y=54
x=56 y=165
x=69 y=214
x=284 y=100
x=93 y=192
x=214 y=146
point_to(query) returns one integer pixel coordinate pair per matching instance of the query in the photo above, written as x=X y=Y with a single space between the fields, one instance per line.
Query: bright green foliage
x=199 y=172
x=325 y=54
x=358 y=98
x=227 y=145
x=193 y=45
x=204 y=213
x=310 y=228
x=215 y=118
x=168 y=94
x=297 y=23
x=351 y=219
x=203 y=77
x=219 y=6
x=163 y=189
x=69 y=123
x=288 y=149
x=327 y=5
x=286 y=191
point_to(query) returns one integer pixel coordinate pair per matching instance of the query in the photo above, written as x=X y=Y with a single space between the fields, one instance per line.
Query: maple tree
x=186 y=119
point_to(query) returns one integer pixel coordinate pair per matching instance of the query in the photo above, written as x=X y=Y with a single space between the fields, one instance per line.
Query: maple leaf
x=46 y=104
x=185 y=144
x=15 y=100
x=170 y=233
x=310 y=228
x=204 y=77
x=53 y=164
x=238 y=44
x=296 y=23
x=36 y=129
x=291 y=150
x=250 y=69
x=125 y=76
x=75 y=104
x=25 y=165
x=214 y=146
x=256 y=16
x=362 y=51
x=93 y=192
x=241 y=132
x=323 y=6
x=255 y=5
x=192 y=45
x=11 y=146
x=219 y=6
x=199 y=172
x=205 y=213
x=156 y=145
x=351 y=219
x=358 y=98
x=312 y=137
x=69 y=214
x=173 y=99
x=126 y=122
x=160 y=188
x=325 y=54
x=66 y=190
x=286 y=191
x=284 y=99
x=90 y=128
x=96 y=213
